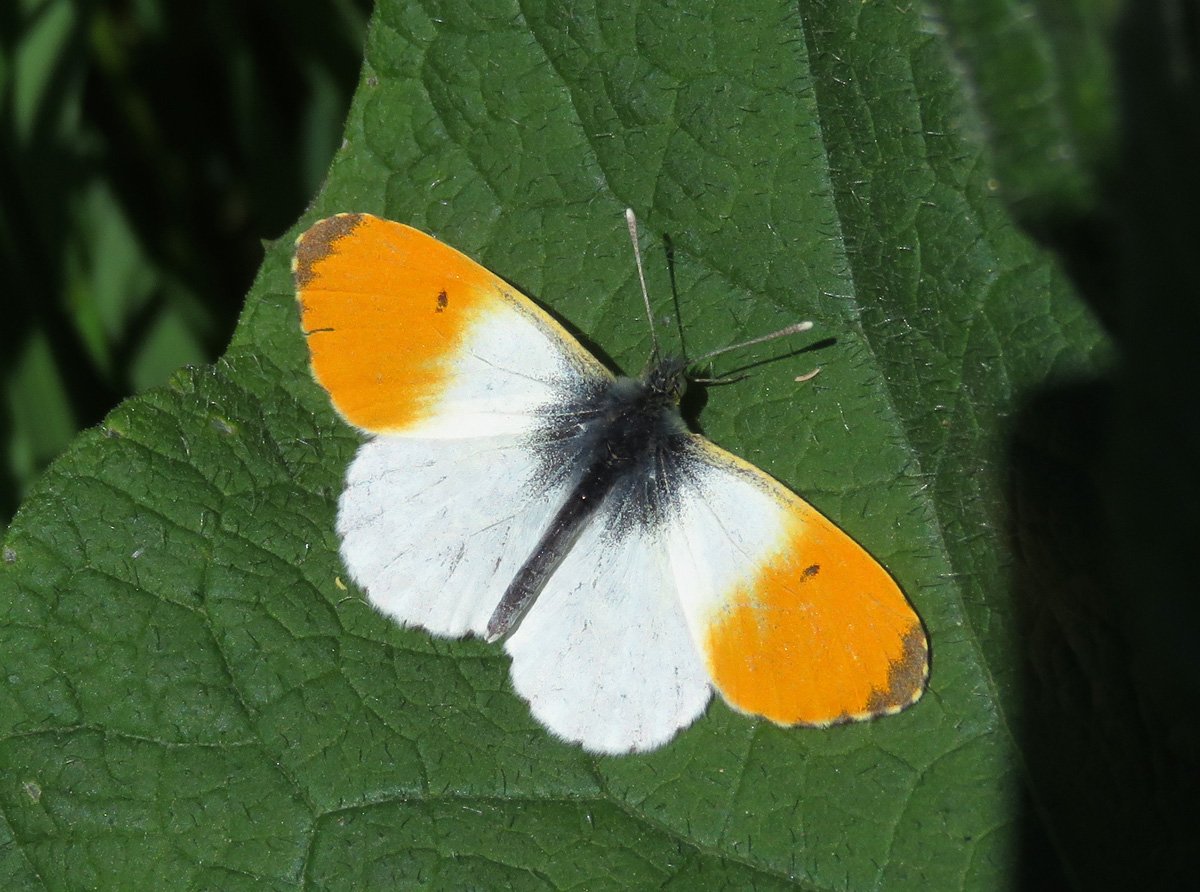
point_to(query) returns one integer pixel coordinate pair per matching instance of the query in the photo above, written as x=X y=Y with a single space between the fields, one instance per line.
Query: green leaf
x=192 y=698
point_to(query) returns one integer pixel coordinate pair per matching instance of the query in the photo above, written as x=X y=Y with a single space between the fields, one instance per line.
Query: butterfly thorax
x=635 y=417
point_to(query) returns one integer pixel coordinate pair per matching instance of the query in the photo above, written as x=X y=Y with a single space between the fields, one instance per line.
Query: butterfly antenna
x=637 y=256
x=782 y=333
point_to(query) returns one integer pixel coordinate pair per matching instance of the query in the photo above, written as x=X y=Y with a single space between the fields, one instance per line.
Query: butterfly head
x=666 y=377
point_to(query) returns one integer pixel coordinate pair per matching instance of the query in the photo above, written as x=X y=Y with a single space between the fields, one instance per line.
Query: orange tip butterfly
x=512 y=487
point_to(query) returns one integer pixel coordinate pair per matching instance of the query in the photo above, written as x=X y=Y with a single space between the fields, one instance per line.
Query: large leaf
x=193 y=699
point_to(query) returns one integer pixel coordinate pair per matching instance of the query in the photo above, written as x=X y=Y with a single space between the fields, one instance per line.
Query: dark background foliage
x=147 y=149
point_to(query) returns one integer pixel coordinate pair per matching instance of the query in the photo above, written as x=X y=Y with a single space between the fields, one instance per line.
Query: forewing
x=411 y=337
x=795 y=621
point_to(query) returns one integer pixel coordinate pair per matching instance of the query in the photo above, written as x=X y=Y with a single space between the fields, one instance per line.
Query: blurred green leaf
x=39 y=62
x=193 y=700
x=37 y=403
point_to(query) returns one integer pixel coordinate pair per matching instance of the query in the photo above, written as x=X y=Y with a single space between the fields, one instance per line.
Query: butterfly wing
x=411 y=337
x=465 y=385
x=604 y=655
x=793 y=619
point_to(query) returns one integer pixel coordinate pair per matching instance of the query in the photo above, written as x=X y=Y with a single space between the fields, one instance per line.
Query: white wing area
x=604 y=655
x=435 y=530
x=725 y=524
x=512 y=369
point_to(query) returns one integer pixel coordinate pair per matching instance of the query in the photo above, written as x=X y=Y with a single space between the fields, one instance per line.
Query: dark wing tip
x=316 y=243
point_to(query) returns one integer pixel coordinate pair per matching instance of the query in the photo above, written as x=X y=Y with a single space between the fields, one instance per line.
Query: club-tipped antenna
x=631 y=219
x=795 y=328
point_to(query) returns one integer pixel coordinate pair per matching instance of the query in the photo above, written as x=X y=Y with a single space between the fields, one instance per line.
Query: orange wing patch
x=822 y=635
x=384 y=308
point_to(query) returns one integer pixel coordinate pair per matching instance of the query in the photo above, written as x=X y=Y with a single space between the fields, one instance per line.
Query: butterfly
x=511 y=487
